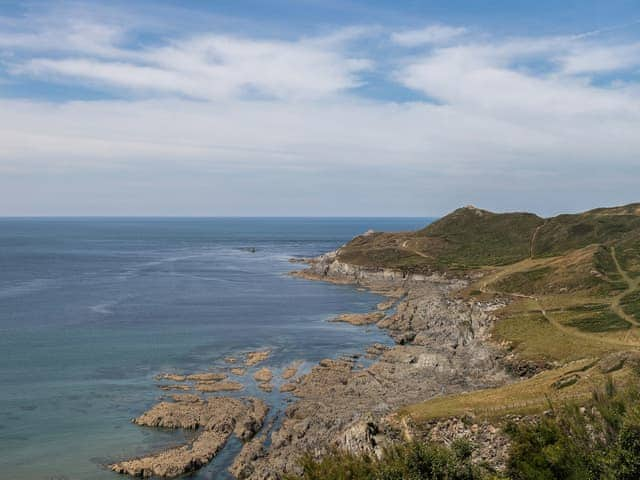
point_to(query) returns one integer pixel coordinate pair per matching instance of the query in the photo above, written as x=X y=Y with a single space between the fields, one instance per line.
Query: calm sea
x=91 y=309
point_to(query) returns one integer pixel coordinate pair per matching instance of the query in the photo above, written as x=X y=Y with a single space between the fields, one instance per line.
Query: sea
x=92 y=309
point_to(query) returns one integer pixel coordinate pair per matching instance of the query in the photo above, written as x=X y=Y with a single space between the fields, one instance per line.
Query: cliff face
x=330 y=267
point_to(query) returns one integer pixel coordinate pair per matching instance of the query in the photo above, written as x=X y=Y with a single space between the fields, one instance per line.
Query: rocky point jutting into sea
x=441 y=348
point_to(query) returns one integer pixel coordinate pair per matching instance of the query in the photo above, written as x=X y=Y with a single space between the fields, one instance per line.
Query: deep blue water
x=91 y=309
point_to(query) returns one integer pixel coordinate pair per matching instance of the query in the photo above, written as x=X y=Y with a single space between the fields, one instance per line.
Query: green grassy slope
x=470 y=238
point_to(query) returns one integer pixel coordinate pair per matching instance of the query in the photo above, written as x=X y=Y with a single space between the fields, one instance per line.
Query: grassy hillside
x=572 y=285
x=471 y=238
x=563 y=233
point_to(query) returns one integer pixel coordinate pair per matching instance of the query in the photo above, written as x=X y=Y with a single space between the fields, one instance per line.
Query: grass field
x=574 y=381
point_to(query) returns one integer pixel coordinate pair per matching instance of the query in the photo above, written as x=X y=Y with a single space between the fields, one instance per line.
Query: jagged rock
x=291 y=370
x=386 y=305
x=615 y=361
x=239 y=372
x=242 y=467
x=263 y=375
x=252 y=421
x=253 y=358
x=287 y=387
x=360 y=437
x=216 y=418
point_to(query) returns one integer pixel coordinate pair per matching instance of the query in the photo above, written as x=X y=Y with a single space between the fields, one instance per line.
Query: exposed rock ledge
x=216 y=418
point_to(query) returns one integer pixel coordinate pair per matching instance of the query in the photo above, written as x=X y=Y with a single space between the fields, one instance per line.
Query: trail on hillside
x=632 y=285
x=533 y=239
x=405 y=246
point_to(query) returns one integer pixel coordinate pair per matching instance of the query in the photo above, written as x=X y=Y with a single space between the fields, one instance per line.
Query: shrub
x=601 y=442
x=409 y=461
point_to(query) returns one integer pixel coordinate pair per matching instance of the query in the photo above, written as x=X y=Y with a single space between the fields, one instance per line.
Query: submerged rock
x=174 y=377
x=175 y=387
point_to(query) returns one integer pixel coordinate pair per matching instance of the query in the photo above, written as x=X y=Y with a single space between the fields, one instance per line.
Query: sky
x=318 y=107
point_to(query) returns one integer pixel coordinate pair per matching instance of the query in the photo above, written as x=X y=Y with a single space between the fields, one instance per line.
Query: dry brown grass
x=529 y=396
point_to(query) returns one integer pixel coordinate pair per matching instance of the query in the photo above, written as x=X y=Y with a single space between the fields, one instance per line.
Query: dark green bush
x=601 y=442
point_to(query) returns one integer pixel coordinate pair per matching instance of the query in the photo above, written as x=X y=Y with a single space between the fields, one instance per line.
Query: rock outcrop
x=224 y=386
x=359 y=318
x=291 y=370
x=216 y=419
x=253 y=358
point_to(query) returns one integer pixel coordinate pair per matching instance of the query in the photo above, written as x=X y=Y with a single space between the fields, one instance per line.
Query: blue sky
x=317 y=107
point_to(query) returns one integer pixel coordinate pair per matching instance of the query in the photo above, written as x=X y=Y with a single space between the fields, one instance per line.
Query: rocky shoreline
x=441 y=347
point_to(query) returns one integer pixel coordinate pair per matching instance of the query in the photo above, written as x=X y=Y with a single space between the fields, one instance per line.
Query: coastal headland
x=492 y=315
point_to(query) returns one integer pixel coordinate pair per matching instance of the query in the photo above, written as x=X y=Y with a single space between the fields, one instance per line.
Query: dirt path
x=405 y=246
x=563 y=328
x=533 y=239
x=586 y=336
x=632 y=285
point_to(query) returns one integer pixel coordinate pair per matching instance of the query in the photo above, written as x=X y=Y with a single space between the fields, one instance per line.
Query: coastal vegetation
x=407 y=461
x=596 y=440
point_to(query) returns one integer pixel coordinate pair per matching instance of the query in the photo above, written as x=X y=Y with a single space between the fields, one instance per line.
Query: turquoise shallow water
x=92 y=309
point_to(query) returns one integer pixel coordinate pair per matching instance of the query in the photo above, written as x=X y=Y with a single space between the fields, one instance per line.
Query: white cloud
x=430 y=35
x=206 y=67
x=507 y=113
x=492 y=79
x=588 y=58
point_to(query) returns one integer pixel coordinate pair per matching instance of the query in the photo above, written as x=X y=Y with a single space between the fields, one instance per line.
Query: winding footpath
x=632 y=285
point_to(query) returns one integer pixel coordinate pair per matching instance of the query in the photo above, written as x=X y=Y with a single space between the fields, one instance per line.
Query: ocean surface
x=91 y=309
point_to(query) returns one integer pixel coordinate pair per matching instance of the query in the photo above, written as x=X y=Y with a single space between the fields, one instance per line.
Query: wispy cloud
x=204 y=66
